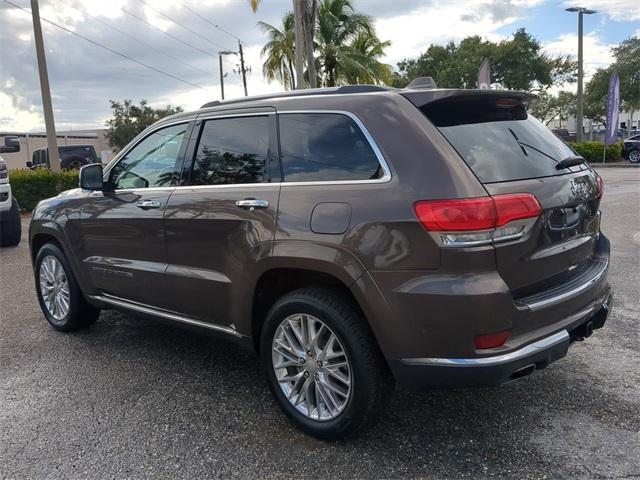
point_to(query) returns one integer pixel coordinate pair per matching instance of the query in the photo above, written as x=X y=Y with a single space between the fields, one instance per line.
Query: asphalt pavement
x=130 y=398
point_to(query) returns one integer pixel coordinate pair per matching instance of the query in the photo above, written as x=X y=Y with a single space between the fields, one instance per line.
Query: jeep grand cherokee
x=354 y=237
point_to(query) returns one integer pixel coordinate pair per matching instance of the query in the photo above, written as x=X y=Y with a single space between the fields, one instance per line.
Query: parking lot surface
x=130 y=398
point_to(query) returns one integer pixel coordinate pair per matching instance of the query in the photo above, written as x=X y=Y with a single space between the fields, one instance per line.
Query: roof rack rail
x=301 y=93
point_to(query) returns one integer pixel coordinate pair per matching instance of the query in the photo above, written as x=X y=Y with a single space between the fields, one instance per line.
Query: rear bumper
x=501 y=368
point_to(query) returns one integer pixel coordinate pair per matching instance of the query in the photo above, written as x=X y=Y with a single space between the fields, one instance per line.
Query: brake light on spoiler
x=478 y=221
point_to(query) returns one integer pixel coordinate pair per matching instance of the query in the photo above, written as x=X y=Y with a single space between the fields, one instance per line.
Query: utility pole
x=52 y=141
x=244 y=70
x=580 y=107
x=221 y=76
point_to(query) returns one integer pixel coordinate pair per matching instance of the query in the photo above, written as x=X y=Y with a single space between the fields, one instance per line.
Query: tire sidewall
x=11 y=226
x=637 y=152
x=351 y=415
x=68 y=322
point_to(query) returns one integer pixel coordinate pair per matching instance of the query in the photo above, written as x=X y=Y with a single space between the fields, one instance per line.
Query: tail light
x=477 y=221
x=492 y=340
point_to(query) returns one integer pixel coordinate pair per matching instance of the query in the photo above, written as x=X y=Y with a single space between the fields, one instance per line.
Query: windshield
x=499 y=141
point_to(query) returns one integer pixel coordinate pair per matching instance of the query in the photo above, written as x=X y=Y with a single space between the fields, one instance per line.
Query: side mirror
x=91 y=177
x=29 y=165
x=11 y=145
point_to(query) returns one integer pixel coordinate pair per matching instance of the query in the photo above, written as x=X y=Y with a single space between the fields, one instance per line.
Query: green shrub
x=31 y=186
x=592 y=151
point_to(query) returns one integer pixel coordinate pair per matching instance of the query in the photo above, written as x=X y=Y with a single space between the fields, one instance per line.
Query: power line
x=167 y=33
x=97 y=44
x=134 y=38
x=182 y=26
x=209 y=21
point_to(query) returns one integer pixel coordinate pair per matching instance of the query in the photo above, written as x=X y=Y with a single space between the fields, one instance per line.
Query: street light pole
x=580 y=107
x=52 y=141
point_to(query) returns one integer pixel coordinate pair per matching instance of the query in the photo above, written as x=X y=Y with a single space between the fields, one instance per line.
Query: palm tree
x=348 y=48
x=280 y=51
x=254 y=5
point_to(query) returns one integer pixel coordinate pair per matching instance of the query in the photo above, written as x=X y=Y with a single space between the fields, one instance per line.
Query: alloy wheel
x=54 y=287
x=634 y=156
x=312 y=367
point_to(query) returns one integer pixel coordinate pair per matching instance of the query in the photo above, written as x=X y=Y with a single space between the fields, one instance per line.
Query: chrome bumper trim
x=547 y=302
x=118 y=302
x=532 y=348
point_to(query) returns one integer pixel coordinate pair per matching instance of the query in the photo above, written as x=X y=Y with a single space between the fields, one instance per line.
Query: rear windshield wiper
x=570 y=162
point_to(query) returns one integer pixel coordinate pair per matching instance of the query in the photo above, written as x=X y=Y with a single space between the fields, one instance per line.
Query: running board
x=118 y=302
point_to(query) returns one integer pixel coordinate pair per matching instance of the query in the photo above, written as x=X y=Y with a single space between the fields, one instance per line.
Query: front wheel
x=60 y=297
x=322 y=363
x=634 y=156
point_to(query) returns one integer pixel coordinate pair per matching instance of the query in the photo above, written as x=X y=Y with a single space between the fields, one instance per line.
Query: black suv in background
x=352 y=236
x=72 y=157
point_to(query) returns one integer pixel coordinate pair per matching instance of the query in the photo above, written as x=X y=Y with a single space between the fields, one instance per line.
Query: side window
x=325 y=147
x=151 y=162
x=232 y=151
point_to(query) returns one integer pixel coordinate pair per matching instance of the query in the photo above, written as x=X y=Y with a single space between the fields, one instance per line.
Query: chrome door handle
x=148 y=204
x=252 y=203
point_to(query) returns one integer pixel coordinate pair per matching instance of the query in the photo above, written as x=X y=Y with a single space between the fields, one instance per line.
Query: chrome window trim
x=119 y=302
x=123 y=153
x=535 y=347
x=386 y=177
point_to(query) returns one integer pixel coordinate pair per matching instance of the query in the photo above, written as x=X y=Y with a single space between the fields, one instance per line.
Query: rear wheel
x=60 y=297
x=634 y=156
x=11 y=226
x=322 y=363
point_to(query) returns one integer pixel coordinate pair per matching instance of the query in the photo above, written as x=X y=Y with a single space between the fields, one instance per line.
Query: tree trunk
x=298 y=15
x=292 y=73
x=309 y=15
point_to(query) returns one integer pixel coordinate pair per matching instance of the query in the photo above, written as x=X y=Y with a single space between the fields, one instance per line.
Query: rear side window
x=325 y=147
x=232 y=151
x=498 y=139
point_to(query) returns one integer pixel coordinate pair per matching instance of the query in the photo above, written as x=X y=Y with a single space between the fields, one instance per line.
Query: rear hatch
x=511 y=152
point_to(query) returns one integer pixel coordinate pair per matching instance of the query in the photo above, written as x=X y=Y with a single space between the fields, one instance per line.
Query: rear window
x=498 y=139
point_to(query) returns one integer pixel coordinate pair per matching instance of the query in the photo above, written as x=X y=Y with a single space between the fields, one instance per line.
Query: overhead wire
x=193 y=32
x=210 y=22
x=115 y=52
x=134 y=38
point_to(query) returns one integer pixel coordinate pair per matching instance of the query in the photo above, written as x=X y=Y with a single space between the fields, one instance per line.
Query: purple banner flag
x=613 y=109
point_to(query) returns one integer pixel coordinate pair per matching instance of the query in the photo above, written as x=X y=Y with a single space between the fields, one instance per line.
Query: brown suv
x=353 y=236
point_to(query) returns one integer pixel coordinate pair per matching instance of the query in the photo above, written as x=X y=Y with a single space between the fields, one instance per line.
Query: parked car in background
x=353 y=236
x=564 y=134
x=72 y=157
x=10 y=220
x=631 y=149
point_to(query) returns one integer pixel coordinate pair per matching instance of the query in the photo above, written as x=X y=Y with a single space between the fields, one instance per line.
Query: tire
x=11 y=226
x=370 y=382
x=634 y=155
x=78 y=313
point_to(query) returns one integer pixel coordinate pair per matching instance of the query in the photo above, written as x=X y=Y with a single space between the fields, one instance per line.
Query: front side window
x=325 y=147
x=232 y=151
x=151 y=163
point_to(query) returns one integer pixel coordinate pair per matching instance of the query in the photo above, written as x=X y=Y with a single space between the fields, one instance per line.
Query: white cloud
x=618 y=10
x=440 y=23
x=16 y=119
x=595 y=53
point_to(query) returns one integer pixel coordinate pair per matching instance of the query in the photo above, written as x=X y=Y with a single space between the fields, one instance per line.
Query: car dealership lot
x=133 y=398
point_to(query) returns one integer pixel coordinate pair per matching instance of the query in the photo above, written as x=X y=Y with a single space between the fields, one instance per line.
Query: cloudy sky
x=84 y=76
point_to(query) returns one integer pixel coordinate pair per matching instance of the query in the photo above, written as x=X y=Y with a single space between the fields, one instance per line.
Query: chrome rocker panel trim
x=118 y=302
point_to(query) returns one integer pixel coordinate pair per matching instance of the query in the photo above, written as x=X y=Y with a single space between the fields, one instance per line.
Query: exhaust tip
x=523 y=372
